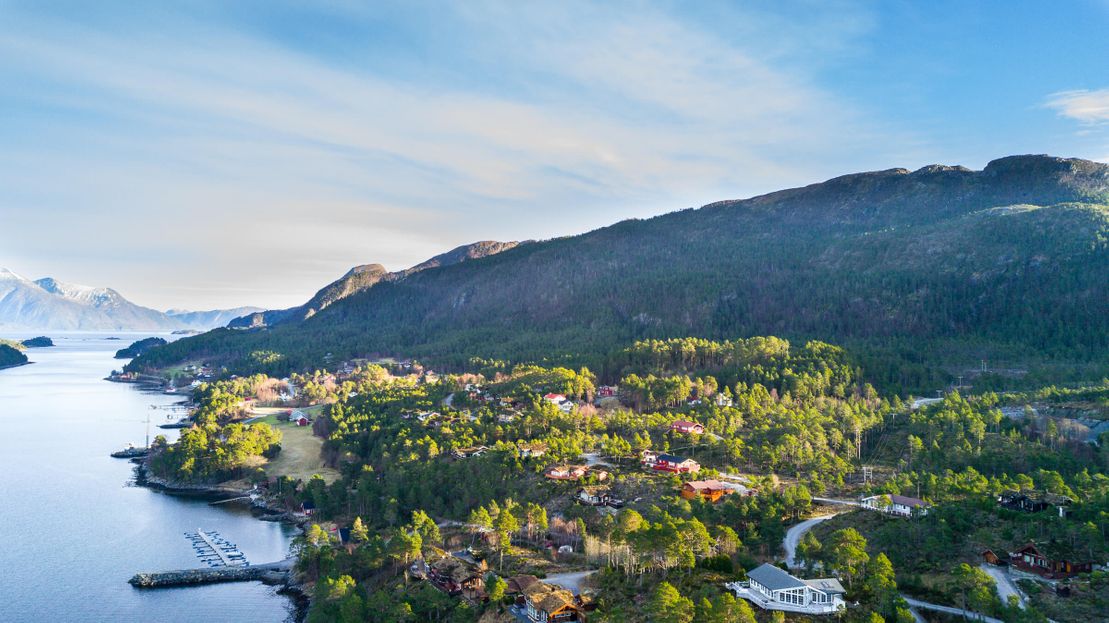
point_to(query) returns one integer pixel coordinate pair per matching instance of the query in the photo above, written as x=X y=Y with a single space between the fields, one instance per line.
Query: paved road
x=1005 y=584
x=973 y=616
x=837 y=502
x=569 y=581
x=794 y=534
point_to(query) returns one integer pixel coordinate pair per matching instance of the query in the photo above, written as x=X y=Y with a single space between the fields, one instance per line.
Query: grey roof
x=774 y=578
x=828 y=585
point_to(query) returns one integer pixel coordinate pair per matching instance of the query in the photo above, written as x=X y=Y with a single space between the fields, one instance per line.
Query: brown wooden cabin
x=1051 y=560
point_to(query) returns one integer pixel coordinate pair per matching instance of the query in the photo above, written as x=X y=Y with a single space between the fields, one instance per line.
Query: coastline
x=16 y=365
x=288 y=585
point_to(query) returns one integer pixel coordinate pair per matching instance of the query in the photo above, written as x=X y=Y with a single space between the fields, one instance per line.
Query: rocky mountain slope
x=919 y=268
x=363 y=277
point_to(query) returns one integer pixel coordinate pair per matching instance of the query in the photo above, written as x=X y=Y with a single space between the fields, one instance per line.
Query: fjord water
x=75 y=526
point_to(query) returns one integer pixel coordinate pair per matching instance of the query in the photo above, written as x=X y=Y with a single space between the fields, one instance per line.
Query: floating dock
x=213 y=549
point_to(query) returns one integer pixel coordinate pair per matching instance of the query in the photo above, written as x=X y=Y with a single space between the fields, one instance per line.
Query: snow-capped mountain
x=60 y=306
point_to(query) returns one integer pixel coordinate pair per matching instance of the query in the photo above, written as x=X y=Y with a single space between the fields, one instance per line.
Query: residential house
x=596 y=498
x=567 y=472
x=675 y=464
x=1033 y=502
x=771 y=588
x=457 y=577
x=990 y=557
x=545 y=603
x=555 y=398
x=607 y=391
x=303 y=421
x=708 y=490
x=893 y=504
x=465 y=453
x=518 y=585
x=1053 y=560
x=532 y=449
x=685 y=426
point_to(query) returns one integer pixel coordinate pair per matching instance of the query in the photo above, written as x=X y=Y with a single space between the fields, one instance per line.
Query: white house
x=770 y=588
x=893 y=504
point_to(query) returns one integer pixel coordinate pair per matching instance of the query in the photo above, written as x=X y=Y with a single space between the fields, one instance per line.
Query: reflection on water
x=76 y=528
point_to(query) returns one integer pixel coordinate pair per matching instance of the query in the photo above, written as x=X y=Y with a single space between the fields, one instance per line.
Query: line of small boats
x=216 y=551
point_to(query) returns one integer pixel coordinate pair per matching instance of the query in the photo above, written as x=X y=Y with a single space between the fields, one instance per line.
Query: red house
x=1050 y=560
x=676 y=464
x=709 y=490
x=606 y=391
x=685 y=426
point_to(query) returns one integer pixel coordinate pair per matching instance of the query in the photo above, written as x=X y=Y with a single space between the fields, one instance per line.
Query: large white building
x=770 y=588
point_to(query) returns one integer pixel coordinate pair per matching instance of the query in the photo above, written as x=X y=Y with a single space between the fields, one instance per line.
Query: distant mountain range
x=49 y=304
x=913 y=270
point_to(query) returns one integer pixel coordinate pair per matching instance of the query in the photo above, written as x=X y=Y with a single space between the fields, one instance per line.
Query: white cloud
x=1086 y=106
x=244 y=152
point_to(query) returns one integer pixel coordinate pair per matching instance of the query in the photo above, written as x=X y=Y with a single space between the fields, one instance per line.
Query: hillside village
x=535 y=494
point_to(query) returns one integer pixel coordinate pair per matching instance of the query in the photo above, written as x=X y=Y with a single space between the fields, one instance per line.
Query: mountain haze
x=50 y=304
x=924 y=267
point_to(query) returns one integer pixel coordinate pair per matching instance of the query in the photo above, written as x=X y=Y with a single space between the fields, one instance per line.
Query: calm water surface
x=76 y=528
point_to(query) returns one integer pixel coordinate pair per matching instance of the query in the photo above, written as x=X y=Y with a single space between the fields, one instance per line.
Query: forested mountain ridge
x=364 y=277
x=917 y=267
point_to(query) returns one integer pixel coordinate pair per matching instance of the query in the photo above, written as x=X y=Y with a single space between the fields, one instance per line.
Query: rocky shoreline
x=261 y=508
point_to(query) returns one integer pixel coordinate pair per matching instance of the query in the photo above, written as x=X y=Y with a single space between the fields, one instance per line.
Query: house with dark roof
x=676 y=464
x=455 y=576
x=893 y=504
x=1028 y=501
x=1053 y=560
x=771 y=588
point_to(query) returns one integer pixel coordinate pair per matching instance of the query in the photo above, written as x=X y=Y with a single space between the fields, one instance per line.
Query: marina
x=216 y=551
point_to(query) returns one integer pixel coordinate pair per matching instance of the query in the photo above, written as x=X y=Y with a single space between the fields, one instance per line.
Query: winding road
x=973 y=616
x=1005 y=584
x=569 y=581
x=793 y=538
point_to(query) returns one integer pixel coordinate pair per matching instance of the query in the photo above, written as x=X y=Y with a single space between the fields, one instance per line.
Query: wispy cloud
x=1086 y=106
x=280 y=149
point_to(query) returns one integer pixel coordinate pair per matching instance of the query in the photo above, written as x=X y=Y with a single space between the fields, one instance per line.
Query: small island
x=10 y=357
x=139 y=347
x=38 y=342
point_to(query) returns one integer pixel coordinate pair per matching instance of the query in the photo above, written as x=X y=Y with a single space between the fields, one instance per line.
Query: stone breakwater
x=274 y=573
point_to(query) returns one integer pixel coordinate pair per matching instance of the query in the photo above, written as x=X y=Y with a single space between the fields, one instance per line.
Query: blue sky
x=216 y=154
